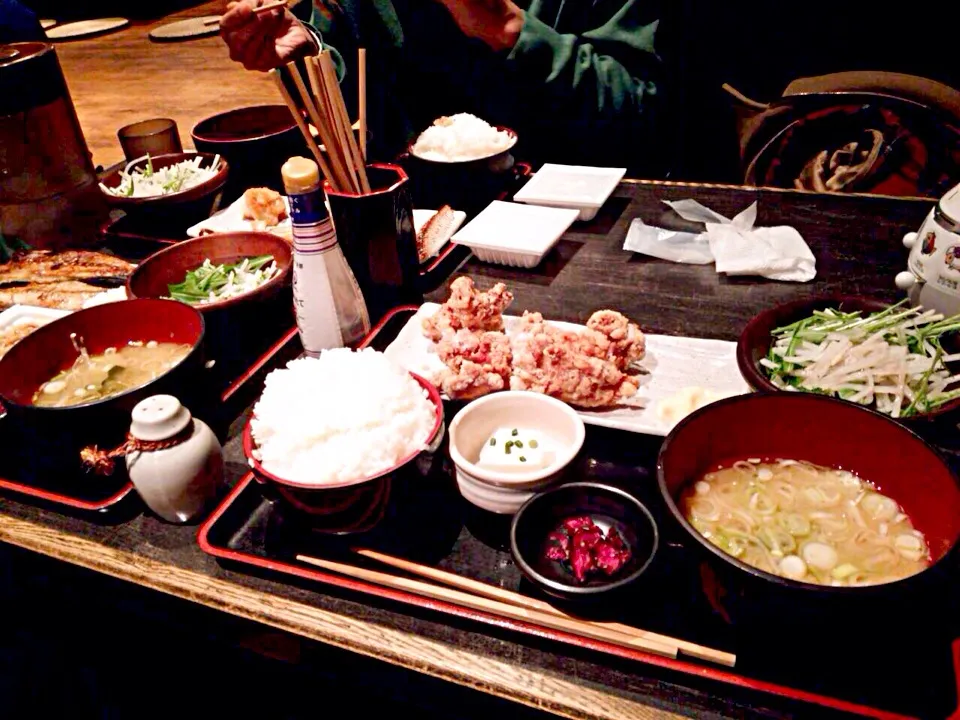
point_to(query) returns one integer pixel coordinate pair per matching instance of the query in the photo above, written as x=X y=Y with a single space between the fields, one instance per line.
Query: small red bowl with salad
x=176 y=189
x=239 y=282
x=900 y=360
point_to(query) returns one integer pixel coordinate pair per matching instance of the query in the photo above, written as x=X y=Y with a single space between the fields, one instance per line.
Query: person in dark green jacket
x=580 y=81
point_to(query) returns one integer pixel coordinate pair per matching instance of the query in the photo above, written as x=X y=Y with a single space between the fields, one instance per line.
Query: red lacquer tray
x=255 y=532
x=88 y=494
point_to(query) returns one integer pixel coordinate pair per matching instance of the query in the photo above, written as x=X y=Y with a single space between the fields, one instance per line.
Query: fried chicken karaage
x=589 y=368
x=469 y=309
x=477 y=363
x=580 y=368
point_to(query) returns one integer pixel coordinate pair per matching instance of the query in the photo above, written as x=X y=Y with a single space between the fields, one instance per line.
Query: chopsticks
x=503 y=595
x=344 y=166
x=494 y=607
x=362 y=99
x=256 y=11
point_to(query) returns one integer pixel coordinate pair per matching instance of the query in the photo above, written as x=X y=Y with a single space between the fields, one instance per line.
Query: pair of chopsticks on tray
x=343 y=164
x=505 y=603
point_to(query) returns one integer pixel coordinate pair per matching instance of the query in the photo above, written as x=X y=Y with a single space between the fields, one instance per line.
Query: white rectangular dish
x=671 y=364
x=571 y=186
x=516 y=235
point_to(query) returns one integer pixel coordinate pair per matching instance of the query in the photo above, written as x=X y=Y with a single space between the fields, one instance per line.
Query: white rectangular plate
x=230 y=219
x=671 y=364
x=516 y=228
x=573 y=186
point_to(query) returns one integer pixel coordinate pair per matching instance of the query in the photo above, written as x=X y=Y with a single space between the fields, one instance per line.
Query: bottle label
x=313 y=231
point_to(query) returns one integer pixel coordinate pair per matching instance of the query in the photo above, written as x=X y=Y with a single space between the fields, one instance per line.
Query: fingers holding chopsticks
x=263 y=36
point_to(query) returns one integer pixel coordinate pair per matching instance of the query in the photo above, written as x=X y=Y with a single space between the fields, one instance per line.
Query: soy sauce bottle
x=330 y=308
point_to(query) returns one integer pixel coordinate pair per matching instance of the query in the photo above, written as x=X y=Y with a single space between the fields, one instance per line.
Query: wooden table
x=858 y=248
x=122 y=77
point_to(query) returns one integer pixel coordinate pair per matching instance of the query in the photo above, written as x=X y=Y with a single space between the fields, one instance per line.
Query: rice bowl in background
x=462 y=138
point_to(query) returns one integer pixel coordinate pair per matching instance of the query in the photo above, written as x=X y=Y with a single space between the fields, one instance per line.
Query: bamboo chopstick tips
x=340 y=160
x=501 y=594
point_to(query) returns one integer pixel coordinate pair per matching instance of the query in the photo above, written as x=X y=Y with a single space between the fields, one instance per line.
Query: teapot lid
x=159 y=417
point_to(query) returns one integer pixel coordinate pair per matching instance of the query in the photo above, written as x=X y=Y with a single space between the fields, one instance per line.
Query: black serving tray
x=426 y=521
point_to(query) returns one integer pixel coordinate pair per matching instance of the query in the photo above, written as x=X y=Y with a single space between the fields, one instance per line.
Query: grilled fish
x=46 y=266
x=66 y=295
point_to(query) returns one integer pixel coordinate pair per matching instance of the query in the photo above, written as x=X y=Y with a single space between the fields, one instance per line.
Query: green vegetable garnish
x=209 y=279
x=507 y=448
x=515 y=432
x=493 y=442
x=149 y=171
x=522 y=459
x=518 y=444
x=892 y=360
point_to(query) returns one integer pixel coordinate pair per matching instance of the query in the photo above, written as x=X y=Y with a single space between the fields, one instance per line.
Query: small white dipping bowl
x=504 y=492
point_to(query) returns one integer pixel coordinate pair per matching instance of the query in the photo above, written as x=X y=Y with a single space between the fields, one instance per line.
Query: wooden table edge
x=535 y=689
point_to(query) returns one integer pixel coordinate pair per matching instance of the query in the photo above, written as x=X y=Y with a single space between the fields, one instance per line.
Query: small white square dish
x=516 y=235
x=571 y=186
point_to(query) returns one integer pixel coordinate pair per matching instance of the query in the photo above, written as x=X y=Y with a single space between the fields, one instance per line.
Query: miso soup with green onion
x=805 y=522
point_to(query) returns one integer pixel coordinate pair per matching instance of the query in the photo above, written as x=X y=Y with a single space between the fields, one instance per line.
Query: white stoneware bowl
x=503 y=492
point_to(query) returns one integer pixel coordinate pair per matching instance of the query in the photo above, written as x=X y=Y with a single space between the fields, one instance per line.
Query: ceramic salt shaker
x=178 y=482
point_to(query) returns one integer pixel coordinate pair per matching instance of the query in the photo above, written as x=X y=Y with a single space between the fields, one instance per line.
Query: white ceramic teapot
x=933 y=275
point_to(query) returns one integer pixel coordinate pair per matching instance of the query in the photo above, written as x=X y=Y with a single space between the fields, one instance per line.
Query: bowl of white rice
x=339 y=421
x=463 y=138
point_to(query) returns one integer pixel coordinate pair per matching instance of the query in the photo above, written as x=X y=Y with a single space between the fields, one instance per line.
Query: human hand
x=496 y=22
x=263 y=42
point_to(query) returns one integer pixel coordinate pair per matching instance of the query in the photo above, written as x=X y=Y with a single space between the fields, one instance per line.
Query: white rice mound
x=340 y=417
x=460 y=138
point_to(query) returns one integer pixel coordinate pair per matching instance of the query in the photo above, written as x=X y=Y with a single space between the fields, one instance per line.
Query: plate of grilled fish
x=63 y=279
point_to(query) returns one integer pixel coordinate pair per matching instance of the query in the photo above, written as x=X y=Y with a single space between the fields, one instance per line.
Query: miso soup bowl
x=352 y=505
x=826 y=432
x=49 y=439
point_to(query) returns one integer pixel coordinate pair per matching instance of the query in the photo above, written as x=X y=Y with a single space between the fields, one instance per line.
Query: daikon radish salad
x=891 y=360
x=149 y=182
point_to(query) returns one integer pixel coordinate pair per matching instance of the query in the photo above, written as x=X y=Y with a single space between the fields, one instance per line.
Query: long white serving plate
x=671 y=364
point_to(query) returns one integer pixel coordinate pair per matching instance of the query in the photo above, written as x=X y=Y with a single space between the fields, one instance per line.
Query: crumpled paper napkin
x=735 y=246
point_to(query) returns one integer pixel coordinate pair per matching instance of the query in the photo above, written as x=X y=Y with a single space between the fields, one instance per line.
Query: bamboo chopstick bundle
x=342 y=163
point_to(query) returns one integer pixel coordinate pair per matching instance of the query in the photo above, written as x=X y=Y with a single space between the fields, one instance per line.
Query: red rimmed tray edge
x=66 y=500
x=678 y=665
x=125 y=490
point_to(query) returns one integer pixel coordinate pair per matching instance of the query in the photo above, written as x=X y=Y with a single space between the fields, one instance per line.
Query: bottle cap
x=159 y=417
x=300 y=175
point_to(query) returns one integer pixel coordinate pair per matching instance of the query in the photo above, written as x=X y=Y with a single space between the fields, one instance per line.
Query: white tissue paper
x=735 y=246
